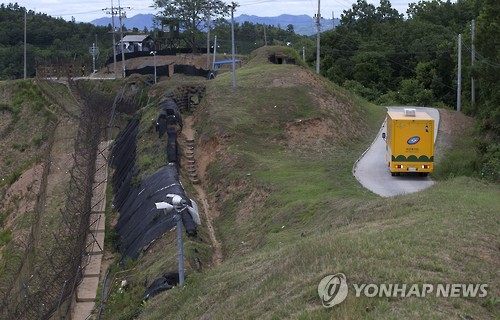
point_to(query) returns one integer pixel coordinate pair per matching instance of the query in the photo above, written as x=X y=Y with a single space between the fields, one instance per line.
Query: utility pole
x=215 y=52
x=304 y=53
x=95 y=69
x=154 y=61
x=94 y=51
x=25 y=19
x=459 y=81
x=265 y=36
x=113 y=12
x=121 y=15
x=181 y=207
x=318 y=25
x=473 y=57
x=208 y=34
x=114 y=41
x=233 y=6
x=178 y=207
x=180 y=254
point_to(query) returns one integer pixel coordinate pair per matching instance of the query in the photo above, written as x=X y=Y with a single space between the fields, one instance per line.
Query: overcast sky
x=88 y=10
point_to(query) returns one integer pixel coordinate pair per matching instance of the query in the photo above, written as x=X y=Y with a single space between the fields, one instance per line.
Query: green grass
x=5 y=237
x=25 y=144
x=463 y=159
x=400 y=240
x=151 y=153
x=22 y=138
x=292 y=214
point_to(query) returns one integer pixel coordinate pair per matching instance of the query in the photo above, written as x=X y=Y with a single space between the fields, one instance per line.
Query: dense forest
x=49 y=41
x=57 y=41
x=377 y=52
x=390 y=59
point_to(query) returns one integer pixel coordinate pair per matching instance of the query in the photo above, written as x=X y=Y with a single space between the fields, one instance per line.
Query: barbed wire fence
x=54 y=259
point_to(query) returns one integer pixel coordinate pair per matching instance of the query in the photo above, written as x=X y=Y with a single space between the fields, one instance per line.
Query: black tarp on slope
x=122 y=158
x=164 y=71
x=165 y=282
x=169 y=116
x=163 y=52
x=190 y=70
x=172 y=154
x=160 y=71
x=169 y=107
x=140 y=222
x=169 y=121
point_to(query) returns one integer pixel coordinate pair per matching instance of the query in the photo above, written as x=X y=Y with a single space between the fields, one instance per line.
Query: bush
x=11 y=178
x=359 y=89
x=491 y=163
x=461 y=160
x=5 y=237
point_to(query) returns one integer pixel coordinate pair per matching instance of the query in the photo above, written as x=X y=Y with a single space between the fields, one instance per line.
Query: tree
x=191 y=14
x=488 y=67
x=360 y=16
x=363 y=16
x=385 y=12
x=413 y=92
x=371 y=67
x=50 y=41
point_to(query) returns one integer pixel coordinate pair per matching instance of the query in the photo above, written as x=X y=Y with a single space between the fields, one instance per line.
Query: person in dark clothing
x=161 y=123
x=172 y=111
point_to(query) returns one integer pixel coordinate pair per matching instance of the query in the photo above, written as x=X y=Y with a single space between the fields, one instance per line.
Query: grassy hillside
x=46 y=151
x=280 y=150
x=26 y=118
x=36 y=140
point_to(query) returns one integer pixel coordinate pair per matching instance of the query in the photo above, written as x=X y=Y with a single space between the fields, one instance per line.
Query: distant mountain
x=139 y=21
x=283 y=20
x=302 y=24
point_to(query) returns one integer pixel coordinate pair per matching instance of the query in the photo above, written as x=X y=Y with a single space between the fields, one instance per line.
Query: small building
x=136 y=43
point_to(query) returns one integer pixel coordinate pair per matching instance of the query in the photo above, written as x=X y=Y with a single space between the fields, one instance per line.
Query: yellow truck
x=409 y=141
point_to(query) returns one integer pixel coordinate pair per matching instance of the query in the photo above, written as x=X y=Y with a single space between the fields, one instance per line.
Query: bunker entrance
x=279 y=58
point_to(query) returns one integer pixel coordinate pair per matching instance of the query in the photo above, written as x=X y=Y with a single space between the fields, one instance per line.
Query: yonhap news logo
x=333 y=289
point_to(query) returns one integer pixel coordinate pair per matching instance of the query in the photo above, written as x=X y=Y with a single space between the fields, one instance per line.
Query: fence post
x=73 y=291
x=61 y=297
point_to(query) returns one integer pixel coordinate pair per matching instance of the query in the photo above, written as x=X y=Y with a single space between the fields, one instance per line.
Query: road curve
x=372 y=172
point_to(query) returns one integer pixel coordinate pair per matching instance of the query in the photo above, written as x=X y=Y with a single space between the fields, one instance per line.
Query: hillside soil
x=209 y=211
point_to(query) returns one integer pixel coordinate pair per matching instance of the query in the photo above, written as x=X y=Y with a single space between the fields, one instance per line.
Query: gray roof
x=135 y=38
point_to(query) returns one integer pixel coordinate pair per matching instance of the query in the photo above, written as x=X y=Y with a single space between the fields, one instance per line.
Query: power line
x=480 y=58
x=330 y=50
x=71 y=14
